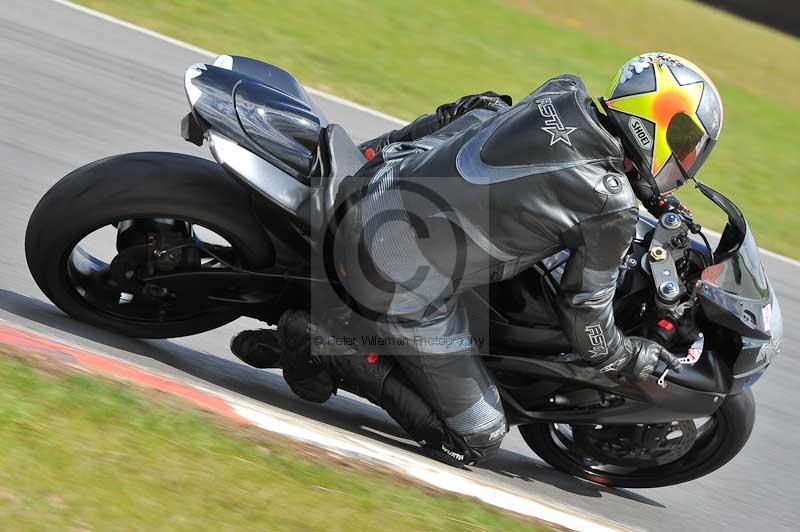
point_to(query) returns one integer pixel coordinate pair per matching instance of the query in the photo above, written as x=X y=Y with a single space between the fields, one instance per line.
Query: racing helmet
x=668 y=114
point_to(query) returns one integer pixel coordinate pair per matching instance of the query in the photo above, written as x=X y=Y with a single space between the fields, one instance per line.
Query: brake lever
x=691 y=358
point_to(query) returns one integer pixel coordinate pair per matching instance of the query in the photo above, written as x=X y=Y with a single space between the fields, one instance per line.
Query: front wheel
x=82 y=261
x=646 y=456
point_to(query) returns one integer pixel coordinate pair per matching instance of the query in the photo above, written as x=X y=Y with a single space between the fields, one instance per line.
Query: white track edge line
x=295 y=426
x=429 y=473
x=316 y=92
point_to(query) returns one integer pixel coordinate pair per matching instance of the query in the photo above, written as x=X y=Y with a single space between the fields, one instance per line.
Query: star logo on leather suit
x=553 y=124
x=559 y=135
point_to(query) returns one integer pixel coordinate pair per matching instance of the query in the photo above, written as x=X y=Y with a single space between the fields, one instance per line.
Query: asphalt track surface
x=76 y=88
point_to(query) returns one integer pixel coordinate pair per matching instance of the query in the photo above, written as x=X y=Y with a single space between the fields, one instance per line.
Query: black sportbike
x=160 y=245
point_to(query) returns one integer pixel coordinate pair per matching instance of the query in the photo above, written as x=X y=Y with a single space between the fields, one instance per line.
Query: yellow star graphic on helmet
x=660 y=107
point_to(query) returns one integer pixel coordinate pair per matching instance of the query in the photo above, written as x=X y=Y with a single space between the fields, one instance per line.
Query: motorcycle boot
x=259 y=348
x=314 y=362
x=303 y=369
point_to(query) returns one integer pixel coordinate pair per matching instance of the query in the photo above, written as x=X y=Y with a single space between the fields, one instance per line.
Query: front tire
x=139 y=185
x=734 y=422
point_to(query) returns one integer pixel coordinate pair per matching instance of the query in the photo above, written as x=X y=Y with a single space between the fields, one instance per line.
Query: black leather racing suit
x=475 y=202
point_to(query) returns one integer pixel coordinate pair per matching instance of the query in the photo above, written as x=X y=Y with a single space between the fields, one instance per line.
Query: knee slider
x=482 y=426
x=485 y=442
x=469 y=449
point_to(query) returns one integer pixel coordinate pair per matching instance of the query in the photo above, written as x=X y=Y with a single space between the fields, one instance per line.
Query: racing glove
x=638 y=358
x=488 y=100
x=431 y=123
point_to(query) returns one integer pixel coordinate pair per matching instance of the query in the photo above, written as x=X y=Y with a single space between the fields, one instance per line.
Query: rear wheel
x=168 y=204
x=622 y=456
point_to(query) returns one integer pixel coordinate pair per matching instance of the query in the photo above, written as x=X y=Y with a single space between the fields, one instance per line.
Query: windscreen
x=742 y=273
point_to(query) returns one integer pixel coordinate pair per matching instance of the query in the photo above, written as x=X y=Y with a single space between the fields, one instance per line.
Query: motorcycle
x=199 y=243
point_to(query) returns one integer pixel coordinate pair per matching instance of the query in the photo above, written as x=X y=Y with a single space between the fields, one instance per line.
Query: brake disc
x=636 y=445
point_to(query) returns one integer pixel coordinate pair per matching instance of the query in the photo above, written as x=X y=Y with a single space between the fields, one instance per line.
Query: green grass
x=79 y=453
x=405 y=57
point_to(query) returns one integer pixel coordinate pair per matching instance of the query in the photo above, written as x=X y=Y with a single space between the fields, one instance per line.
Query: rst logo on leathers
x=597 y=339
x=640 y=133
x=552 y=120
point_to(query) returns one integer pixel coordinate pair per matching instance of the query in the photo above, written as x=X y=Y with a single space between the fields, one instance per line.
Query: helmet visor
x=688 y=141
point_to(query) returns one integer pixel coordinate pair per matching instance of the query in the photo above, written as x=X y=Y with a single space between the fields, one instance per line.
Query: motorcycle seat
x=344 y=160
x=341 y=159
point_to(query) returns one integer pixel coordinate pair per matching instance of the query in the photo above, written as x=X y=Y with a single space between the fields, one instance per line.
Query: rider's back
x=516 y=181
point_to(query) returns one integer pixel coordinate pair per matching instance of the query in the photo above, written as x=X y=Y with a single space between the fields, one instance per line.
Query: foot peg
x=259 y=348
x=662 y=380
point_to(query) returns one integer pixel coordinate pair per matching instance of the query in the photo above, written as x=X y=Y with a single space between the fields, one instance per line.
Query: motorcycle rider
x=520 y=183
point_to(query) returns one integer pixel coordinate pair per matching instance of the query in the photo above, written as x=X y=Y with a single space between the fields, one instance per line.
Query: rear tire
x=735 y=419
x=139 y=185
